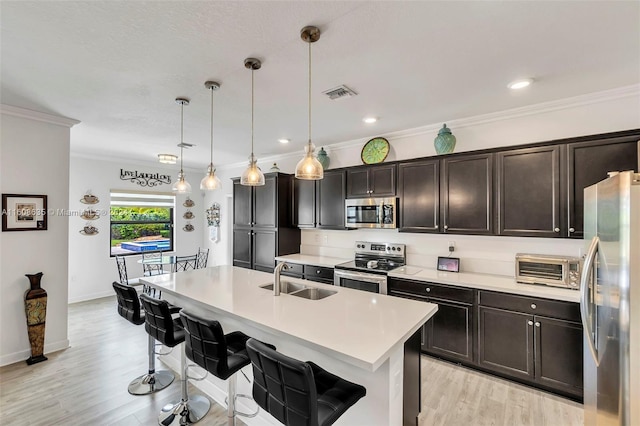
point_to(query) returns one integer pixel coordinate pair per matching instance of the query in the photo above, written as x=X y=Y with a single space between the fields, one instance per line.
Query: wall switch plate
x=452 y=246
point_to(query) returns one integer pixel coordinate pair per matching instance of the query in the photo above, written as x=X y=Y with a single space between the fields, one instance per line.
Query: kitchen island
x=356 y=335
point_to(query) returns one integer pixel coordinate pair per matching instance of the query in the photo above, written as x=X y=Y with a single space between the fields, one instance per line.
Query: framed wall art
x=23 y=212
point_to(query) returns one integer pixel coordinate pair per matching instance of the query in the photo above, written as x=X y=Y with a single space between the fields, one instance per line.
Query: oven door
x=361 y=281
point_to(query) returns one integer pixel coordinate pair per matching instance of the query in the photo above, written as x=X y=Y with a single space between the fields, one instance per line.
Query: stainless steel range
x=368 y=271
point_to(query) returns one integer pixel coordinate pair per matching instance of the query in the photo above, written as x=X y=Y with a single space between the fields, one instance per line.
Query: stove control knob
x=393 y=248
x=399 y=248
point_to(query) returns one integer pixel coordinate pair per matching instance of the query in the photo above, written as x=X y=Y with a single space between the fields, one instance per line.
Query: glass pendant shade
x=210 y=180
x=181 y=186
x=252 y=176
x=309 y=168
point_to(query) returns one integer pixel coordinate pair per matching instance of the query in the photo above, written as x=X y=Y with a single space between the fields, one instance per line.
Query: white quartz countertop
x=486 y=282
x=358 y=327
x=308 y=259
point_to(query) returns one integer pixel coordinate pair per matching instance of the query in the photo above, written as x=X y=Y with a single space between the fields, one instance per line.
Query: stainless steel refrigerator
x=610 y=301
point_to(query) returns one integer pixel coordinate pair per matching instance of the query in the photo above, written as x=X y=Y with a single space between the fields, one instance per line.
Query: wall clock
x=375 y=151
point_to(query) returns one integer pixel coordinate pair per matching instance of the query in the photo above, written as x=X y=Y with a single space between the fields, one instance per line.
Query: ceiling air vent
x=339 y=92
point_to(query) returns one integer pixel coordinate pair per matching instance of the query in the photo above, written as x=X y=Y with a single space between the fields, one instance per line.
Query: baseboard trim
x=24 y=354
x=91 y=297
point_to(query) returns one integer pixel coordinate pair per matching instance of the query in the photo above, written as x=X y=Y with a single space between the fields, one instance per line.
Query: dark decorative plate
x=375 y=151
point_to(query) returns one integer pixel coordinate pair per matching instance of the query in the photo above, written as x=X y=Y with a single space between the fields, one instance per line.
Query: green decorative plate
x=375 y=151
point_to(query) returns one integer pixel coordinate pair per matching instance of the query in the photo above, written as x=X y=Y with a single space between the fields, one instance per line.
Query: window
x=141 y=222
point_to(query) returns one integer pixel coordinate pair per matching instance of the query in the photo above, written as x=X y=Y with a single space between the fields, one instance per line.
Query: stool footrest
x=240 y=413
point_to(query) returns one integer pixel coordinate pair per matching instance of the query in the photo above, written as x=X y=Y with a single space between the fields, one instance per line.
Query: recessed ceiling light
x=370 y=120
x=167 y=158
x=284 y=140
x=520 y=84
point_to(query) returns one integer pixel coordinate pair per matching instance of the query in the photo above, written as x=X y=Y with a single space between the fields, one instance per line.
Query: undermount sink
x=300 y=290
x=313 y=293
x=286 y=287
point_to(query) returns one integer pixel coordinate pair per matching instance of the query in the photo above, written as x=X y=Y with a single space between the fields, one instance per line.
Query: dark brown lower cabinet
x=264 y=250
x=449 y=333
x=242 y=240
x=541 y=343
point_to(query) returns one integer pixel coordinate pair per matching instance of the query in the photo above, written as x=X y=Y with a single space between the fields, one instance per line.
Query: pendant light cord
x=211 y=125
x=309 y=94
x=252 y=156
x=181 y=133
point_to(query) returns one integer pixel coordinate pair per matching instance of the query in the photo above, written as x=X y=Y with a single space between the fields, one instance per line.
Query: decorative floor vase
x=35 y=306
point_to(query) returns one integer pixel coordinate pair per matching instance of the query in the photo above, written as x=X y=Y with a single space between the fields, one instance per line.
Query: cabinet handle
x=556 y=229
x=446 y=227
x=248 y=233
x=530 y=322
x=533 y=306
x=572 y=230
x=537 y=324
x=435 y=226
x=428 y=290
x=318 y=272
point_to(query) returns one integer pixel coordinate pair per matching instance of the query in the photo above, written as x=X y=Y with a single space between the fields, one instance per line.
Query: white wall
x=34 y=160
x=601 y=112
x=91 y=269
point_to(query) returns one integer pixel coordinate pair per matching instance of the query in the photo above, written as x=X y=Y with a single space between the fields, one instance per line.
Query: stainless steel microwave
x=370 y=213
x=557 y=271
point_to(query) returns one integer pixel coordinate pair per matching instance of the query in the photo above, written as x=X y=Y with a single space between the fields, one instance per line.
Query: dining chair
x=121 y=262
x=185 y=263
x=150 y=269
x=202 y=257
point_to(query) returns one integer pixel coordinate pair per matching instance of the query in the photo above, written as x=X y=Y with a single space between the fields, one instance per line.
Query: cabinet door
x=558 y=359
x=304 y=193
x=382 y=181
x=330 y=200
x=449 y=333
x=242 y=205
x=505 y=342
x=419 y=196
x=467 y=191
x=529 y=192
x=264 y=203
x=589 y=163
x=264 y=250
x=242 y=249
x=358 y=182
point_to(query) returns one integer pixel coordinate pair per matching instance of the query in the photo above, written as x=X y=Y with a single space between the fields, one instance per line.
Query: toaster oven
x=557 y=271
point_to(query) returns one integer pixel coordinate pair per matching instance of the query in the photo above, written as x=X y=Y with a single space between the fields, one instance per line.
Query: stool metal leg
x=153 y=381
x=232 y=396
x=190 y=409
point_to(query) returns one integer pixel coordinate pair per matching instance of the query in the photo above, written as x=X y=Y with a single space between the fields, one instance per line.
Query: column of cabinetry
x=320 y=204
x=262 y=223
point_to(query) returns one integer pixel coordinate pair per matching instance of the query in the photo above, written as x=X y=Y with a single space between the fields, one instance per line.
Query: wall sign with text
x=145 y=179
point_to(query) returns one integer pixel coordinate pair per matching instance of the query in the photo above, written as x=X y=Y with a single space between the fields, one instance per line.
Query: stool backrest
x=158 y=321
x=202 y=257
x=122 y=269
x=206 y=344
x=128 y=303
x=185 y=263
x=283 y=386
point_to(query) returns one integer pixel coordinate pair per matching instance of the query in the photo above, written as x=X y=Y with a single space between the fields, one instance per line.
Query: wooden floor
x=86 y=385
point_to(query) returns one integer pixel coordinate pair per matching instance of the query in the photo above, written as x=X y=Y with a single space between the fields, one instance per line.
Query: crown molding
x=38 y=116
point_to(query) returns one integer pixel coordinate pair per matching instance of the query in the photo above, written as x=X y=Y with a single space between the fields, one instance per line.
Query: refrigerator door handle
x=584 y=288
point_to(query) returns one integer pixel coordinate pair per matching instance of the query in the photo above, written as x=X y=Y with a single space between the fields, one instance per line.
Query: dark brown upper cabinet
x=320 y=204
x=467 y=194
x=419 y=196
x=529 y=202
x=371 y=181
x=588 y=163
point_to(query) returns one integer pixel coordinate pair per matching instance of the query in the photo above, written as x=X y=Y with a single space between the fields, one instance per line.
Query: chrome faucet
x=276 y=277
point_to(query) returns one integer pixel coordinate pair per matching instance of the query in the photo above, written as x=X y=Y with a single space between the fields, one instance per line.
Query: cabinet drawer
x=531 y=305
x=431 y=290
x=311 y=272
x=295 y=270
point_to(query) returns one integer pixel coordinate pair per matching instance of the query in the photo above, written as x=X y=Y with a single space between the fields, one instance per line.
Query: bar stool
x=296 y=392
x=222 y=355
x=130 y=309
x=169 y=331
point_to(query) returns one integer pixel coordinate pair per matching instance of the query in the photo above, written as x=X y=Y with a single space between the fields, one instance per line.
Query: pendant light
x=309 y=168
x=211 y=181
x=253 y=176
x=181 y=186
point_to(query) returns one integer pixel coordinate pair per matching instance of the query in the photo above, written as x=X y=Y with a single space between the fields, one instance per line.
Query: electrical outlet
x=452 y=246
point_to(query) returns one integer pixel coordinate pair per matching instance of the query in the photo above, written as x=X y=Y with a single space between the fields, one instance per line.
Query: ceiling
x=118 y=66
